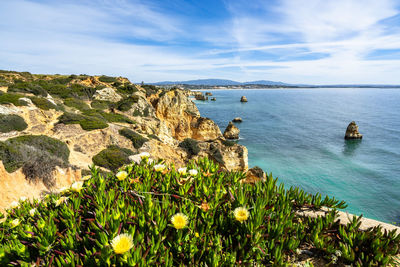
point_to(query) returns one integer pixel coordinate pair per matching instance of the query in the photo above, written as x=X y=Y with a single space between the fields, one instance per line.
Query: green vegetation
x=125 y=104
x=190 y=145
x=228 y=143
x=43 y=103
x=76 y=103
x=7 y=98
x=38 y=155
x=112 y=157
x=77 y=227
x=126 y=88
x=107 y=116
x=153 y=136
x=12 y=122
x=137 y=139
x=86 y=122
x=100 y=104
x=107 y=79
x=150 y=89
x=139 y=113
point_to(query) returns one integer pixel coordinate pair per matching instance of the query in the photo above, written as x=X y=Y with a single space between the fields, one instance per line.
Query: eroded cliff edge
x=99 y=119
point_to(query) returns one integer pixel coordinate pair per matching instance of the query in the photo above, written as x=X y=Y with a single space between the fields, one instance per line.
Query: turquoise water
x=298 y=135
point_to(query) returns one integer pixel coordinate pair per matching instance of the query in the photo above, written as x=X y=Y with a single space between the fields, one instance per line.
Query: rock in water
x=237 y=119
x=231 y=131
x=213 y=99
x=254 y=175
x=352 y=131
x=243 y=99
x=208 y=93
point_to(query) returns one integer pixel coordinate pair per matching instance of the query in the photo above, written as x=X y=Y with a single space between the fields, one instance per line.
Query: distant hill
x=218 y=82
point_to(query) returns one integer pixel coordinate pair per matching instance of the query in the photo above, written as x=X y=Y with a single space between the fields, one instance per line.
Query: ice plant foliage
x=122 y=243
x=179 y=221
x=122 y=175
x=241 y=214
x=143 y=220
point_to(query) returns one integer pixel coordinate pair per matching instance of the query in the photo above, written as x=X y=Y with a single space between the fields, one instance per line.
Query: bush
x=126 y=88
x=8 y=98
x=27 y=87
x=138 y=113
x=43 y=103
x=81 y=229
x=137 y=139
x=76 y=103
x=12 y=122
x=100 y=104
x=112 y=157
x=190 y=145
x=17 y=151
x=126 y=103
x=109 y=117
x=41 y=168
x=87 y=123
x=107 y=79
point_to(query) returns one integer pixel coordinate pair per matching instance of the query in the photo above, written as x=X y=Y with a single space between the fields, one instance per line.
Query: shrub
x=153 y=136
x=12 y=122
x=100 y=104
x=125 y=104
x=41 y=168
x=137 y=139
x=109 y=117
x=107 y=79
x=112 y=157
x=8 y=98
x=43 y=103
x=76 y=103
x=87 y=123
x=17 y=151
x=138 y=113
x=27 y=87
x=190 y=145
x=126 y=88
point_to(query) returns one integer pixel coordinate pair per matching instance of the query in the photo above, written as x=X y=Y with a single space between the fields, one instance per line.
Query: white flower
x=144 y=155
x=63 y=189
x=159 y=167
x=193 y=172
x=182 y=171
x=14 y=204
x=77 y=186
x=15 y=223
x=32 y=212
x=22 y=199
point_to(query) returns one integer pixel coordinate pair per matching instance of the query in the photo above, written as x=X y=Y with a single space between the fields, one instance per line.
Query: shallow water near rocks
x=298 y=135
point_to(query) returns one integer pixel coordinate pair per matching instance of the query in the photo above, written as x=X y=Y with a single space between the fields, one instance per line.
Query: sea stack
x=243 y=99
x=231 y=131
x=237 y=119
x=208 y=93
x=213 y=99
x=352 y=132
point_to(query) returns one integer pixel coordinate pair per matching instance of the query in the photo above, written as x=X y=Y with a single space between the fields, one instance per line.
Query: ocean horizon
x=297 y=134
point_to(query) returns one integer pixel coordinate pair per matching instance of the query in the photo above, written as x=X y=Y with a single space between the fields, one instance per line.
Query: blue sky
x=294 y=41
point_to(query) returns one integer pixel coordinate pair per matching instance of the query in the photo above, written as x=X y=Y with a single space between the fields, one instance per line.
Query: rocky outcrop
x=231 y=157
x=209 y=94
x=201 y=97
x=352 y=131
x=231 y=131
x=243 y=99
x=14 y=185
x=254 y=175
x=107 y=94
x=237 y=119
x=183 y=119
x=213 y=99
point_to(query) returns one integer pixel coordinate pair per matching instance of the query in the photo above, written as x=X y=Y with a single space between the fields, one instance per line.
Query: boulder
x=208 y=93
x=254 y=175
x=107 y=94
x=213 y=99
x=237 y=119
x=201 y=97
x=231 y=131
x=243 y=99
x=352 y=131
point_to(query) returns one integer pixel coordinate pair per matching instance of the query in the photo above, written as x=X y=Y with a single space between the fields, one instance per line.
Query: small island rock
x=237 y=119
x=208 y=93
x=243 y=99
x=213 y=99
x=352 y=131
x=201 y=97
x=231 y=131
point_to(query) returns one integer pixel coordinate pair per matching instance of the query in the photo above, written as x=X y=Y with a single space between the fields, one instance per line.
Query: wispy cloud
x=314 y=41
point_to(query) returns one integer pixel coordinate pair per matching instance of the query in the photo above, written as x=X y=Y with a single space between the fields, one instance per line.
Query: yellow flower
x=159 y=167
x=122 y=175
x=144 y=155
x=179 y=220
x=77 y=186
x=182 y=171
x=193 y=172
x=63 y=189
x=86 y=177
x=15 y=223
x=61 y=200
x=14 y=204
x=32 y=212
x=122 y=243
x=241 y=214
x=196 y=234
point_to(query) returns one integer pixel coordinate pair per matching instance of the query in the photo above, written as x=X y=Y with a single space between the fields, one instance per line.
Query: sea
x=298 y=136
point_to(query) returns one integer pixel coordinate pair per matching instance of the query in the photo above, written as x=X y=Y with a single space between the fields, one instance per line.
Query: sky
x=293 y=41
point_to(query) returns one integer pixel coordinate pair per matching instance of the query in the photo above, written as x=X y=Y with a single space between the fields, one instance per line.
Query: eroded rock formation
x=352 y=131
x=243 y=99
x=231 y=131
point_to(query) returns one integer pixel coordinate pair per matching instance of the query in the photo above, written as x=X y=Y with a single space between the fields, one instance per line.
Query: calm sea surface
x=298 y=135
